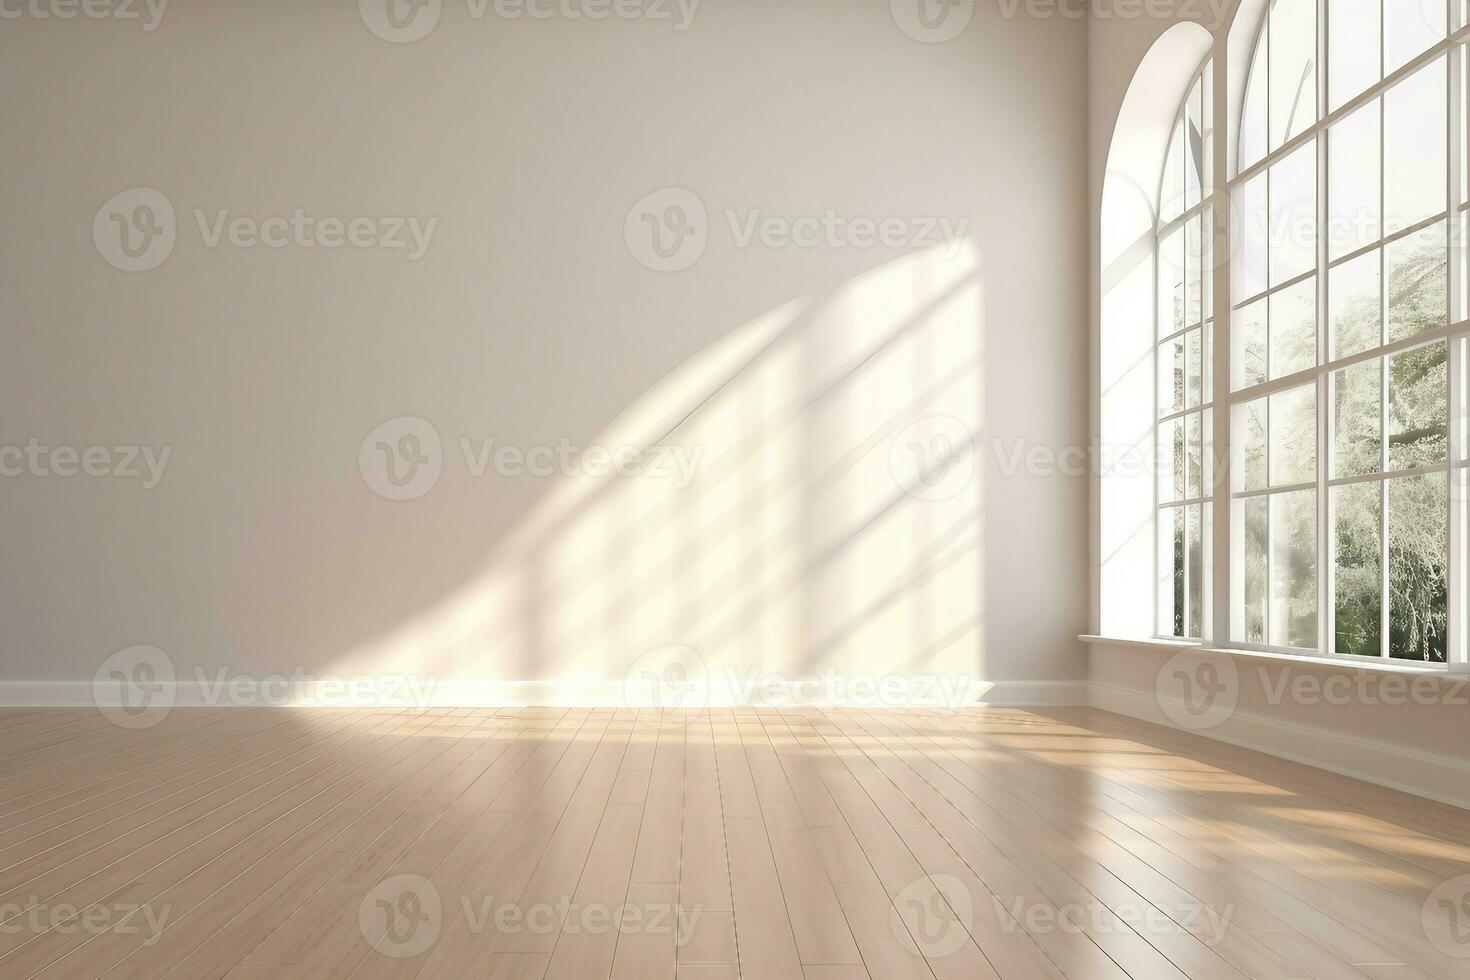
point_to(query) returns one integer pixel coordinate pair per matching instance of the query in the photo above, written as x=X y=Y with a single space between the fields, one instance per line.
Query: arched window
x=1183 y=365
x=1347 y=331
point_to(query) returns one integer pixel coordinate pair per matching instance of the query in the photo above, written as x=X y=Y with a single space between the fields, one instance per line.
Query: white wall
x=796 y=374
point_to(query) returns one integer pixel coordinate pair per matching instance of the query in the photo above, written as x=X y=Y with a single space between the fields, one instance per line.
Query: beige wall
x=795 y=375
x=1398 y=728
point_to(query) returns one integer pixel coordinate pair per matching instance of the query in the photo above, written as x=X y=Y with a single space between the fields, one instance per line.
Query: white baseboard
x=1434 y=776
x=401 y=691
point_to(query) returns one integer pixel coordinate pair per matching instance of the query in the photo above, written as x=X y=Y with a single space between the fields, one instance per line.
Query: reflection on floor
x=766 y=844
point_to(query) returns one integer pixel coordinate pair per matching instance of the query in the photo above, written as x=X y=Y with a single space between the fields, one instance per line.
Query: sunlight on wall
x=809 y=539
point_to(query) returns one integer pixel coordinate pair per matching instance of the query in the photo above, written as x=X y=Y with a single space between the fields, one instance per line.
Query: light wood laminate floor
x=262 y=844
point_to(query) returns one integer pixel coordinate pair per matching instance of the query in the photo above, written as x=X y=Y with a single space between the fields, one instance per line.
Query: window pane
x=1352 y=58
x=1195 y=568
x=1418 y=549
x=1358 y=600
x=1293 y=208
x=1194 y=367
x=1411 y=28
x=1459 y=350
x=1253 y=522
x=1248 y=333
x=1293 y=324
x=1171 y=190
x=1357 y=438
x=1171 y=376
x=1293 y=434
x=1250 y=444
x=1194 y=461
x=1207 y=132
x=1207 y=263
x=1171 y=460
x=1193 y=280
x=1294 y=569
x=1171 y=571
x=1353 y=186
x=1171 y=283
x=1356 y=305
x=1193 y=145
x=1460 y=231
x=1414 y=148
x=1293 y=78
x=1417 y=283
x=1250 y=237
x=1418 y=407
x=1253 y=112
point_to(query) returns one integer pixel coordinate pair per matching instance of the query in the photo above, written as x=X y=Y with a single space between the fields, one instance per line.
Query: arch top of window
x=1135 y=162
x=1295 y=64
x=1186 y=177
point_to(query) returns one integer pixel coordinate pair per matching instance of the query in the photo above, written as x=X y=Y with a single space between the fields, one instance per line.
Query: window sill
x=1455 y=672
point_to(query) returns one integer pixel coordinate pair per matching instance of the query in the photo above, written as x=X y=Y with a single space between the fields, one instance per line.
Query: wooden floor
x=258 y=844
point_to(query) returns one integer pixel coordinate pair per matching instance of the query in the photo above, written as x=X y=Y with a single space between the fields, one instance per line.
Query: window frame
x=1202 y=211
x=1455 y=334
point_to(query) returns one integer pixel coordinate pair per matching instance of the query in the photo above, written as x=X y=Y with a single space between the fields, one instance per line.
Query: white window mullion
x=1383 y=571
x=1158 y=454
x=1268 y=614
x=1457 y=581
x=1326 y=566
x=1383 y=604
x=1383 y=593
x=1227 y=599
